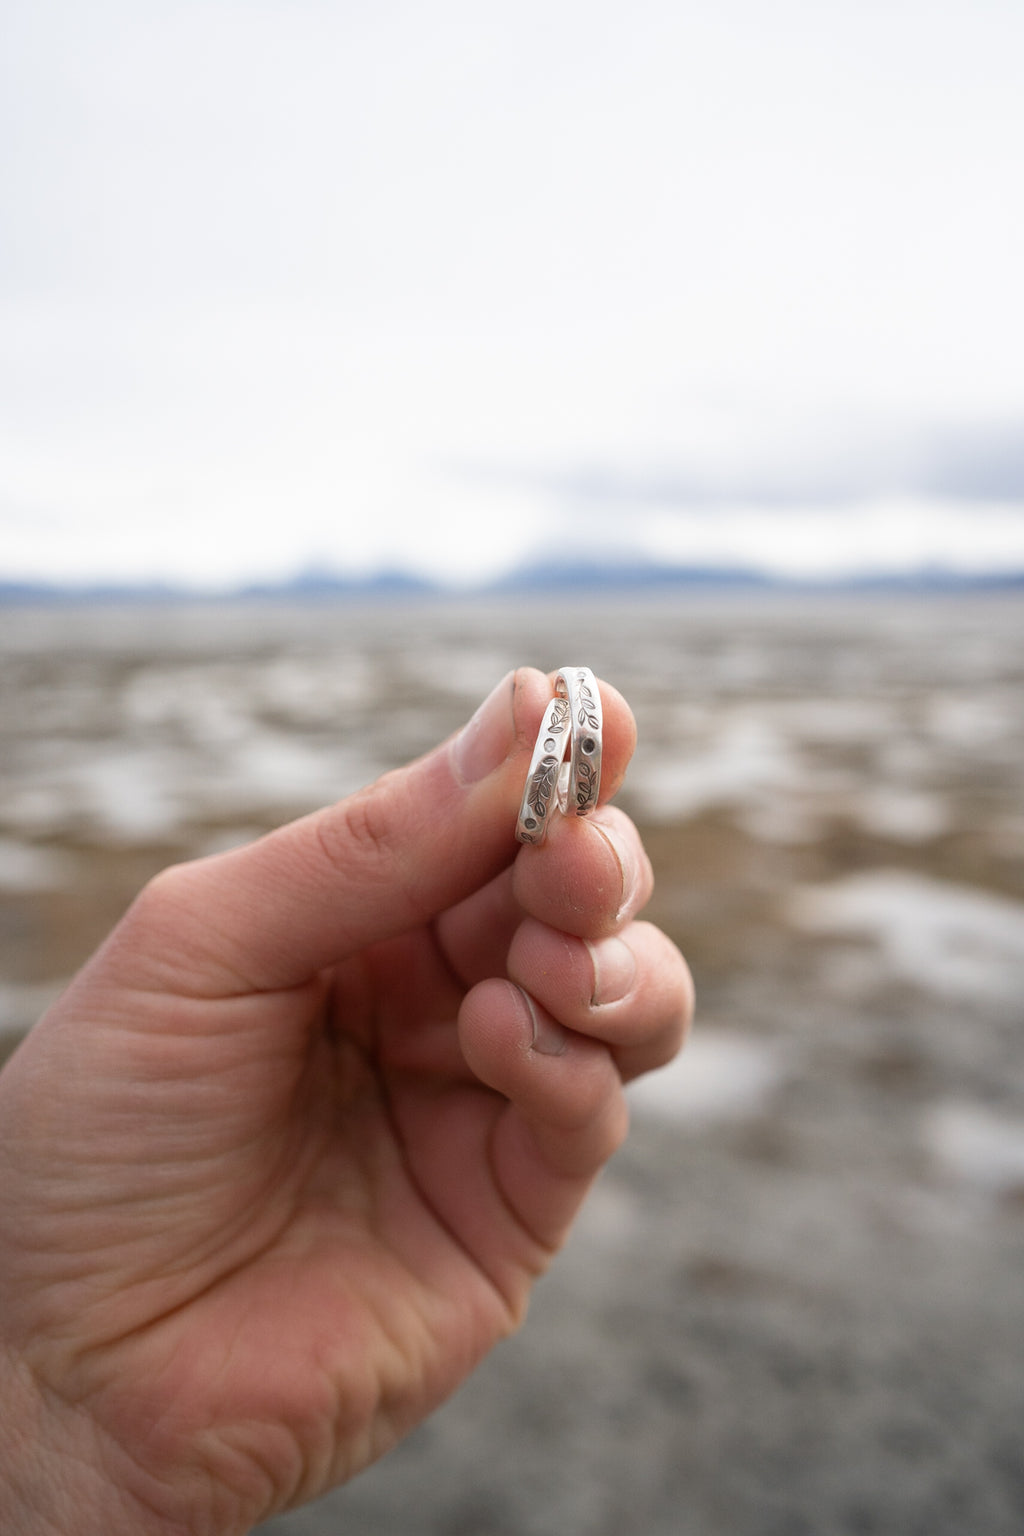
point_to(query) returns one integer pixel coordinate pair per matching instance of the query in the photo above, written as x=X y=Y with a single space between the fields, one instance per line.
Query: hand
x=285 y=1159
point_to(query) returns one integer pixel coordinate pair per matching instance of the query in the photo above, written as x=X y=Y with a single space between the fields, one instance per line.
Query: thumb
x=274 y=913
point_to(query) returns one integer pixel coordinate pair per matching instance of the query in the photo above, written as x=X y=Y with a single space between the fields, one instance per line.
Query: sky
x=289 y=284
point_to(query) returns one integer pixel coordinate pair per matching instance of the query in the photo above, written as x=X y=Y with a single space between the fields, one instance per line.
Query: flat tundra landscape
x=795 y=1303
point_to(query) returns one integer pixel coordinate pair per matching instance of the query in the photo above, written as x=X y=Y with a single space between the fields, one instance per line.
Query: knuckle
x=354 y=828
x=360 y=837
x=163 y=893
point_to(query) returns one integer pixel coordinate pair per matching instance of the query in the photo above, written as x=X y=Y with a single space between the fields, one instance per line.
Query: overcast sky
x=437 y=286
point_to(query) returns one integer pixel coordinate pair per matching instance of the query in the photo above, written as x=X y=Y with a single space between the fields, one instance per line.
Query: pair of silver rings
x=572 y=722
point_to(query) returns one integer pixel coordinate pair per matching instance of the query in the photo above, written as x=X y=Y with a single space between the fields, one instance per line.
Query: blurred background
x=349 y=357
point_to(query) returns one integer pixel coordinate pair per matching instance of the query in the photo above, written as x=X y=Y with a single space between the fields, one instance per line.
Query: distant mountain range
x=626 y=576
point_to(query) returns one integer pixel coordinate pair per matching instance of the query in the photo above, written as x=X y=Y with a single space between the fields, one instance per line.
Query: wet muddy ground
x=795 y=1302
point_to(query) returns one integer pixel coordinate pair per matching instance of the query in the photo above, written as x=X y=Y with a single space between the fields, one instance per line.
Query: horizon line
x=581 y=576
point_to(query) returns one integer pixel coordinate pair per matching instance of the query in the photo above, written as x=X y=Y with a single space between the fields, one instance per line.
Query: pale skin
x=288 y=1155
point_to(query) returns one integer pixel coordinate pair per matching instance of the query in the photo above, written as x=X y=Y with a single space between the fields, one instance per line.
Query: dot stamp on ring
x=572 y=722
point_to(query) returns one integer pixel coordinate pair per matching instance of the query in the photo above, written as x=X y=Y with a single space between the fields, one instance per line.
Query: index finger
x=275 y=913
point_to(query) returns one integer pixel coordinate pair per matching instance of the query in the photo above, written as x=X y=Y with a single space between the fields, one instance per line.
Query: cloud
x=818 y=465
x=267 y=273
x=976 y=463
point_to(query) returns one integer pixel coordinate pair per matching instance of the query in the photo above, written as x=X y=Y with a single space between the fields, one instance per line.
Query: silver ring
x=571 y=720
x=584 y=776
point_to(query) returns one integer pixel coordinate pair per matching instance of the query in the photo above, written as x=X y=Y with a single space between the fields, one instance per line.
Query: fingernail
x=549 y=1038
x=629 y=871
x=483 y=744
x=614 y=970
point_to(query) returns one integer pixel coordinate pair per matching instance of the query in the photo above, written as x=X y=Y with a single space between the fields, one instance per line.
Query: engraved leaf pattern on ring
x=542 y=784
x=587 y=714
x=586 y=788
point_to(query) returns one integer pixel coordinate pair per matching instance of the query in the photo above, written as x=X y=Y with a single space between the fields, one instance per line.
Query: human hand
x=284 y=1161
